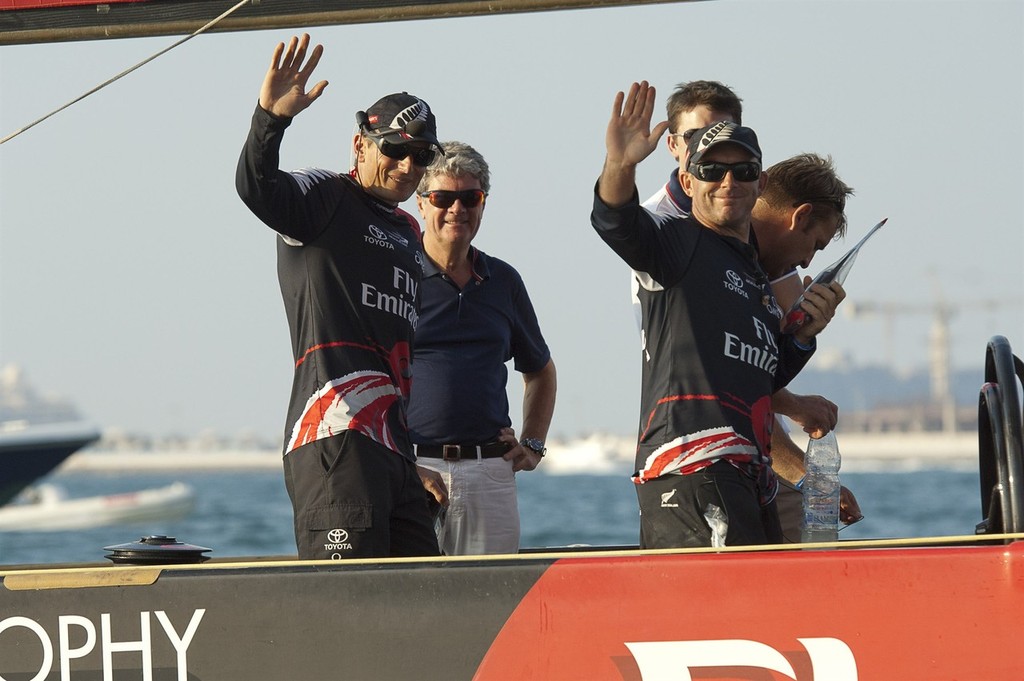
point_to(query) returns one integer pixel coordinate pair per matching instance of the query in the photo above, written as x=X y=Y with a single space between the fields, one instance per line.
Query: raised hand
x=284 y=87
x=629 y=138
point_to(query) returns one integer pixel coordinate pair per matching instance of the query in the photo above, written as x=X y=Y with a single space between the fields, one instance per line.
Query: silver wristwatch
x=534 y=444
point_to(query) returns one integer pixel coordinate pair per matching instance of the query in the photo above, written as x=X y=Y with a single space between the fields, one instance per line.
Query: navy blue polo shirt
x=463 y=340
x=674 y=188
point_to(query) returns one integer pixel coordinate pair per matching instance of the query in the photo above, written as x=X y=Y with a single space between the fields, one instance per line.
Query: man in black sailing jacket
x=713 y=353
x=349 y=267
x=800 y=210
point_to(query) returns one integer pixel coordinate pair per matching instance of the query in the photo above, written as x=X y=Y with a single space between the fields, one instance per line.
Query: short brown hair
x=808 y=178
x=709 y=93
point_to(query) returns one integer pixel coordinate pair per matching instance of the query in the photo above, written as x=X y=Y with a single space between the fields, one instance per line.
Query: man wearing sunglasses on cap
x=798 y=214
x=349 y=268
x=475 y=316
x=713 y=350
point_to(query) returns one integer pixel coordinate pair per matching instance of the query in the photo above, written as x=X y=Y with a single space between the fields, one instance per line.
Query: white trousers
x=483 y=513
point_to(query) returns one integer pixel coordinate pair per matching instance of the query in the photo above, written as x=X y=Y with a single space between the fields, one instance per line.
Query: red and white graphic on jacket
x=358 y=401
x=692 y=451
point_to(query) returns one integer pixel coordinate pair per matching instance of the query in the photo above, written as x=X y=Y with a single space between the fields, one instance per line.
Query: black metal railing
x=1000 y=444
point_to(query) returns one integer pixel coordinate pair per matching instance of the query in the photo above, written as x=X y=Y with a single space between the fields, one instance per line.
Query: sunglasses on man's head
x=712 y=171
x=421 y=156
x=444 y=198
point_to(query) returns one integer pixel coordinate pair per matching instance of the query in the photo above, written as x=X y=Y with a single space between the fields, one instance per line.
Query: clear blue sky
x=133 y=280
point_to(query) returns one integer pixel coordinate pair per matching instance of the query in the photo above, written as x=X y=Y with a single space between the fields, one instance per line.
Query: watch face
x=534 y=444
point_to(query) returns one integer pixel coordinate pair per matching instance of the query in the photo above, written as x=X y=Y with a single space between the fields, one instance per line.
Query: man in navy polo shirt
x=475 y=316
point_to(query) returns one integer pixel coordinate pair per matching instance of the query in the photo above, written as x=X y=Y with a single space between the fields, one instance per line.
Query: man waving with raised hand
x=713 y=353
x=349 y=268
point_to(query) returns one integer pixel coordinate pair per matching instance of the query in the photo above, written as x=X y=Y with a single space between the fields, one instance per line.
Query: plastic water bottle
x=821 y=490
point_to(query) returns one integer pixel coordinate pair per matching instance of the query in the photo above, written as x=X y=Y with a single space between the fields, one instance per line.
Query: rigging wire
x=124 y=73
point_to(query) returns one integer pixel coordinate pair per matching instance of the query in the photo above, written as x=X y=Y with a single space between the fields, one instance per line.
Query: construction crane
x=942 y=313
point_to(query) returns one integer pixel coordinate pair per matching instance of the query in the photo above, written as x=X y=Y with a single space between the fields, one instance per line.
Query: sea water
x=247 y=513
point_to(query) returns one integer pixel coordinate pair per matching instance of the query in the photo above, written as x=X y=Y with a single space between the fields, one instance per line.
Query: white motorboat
x=46 y=508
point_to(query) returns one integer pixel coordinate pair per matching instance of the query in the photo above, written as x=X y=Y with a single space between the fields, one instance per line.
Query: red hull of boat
x=884 y=612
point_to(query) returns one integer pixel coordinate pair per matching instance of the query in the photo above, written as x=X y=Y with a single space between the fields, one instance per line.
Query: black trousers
x=355 y=498
x=675 y=510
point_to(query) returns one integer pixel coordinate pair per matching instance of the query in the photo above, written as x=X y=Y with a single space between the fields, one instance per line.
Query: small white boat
x=46 y=508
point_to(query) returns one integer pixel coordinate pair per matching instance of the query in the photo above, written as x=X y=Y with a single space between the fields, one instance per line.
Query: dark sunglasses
x=747 y=171
x=421 y=156
x=687 y=135
x=443 y=198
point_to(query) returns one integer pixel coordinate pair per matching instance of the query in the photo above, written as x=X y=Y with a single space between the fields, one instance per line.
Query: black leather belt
x=491 y=450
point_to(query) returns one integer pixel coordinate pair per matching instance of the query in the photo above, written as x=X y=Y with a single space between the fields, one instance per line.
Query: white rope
x=124 y=73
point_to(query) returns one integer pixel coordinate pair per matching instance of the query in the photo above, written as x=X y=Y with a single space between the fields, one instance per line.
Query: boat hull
x=871 y=611
x=28 y=455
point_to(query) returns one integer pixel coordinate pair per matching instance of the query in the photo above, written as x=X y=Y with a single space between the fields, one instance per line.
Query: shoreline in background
x=597 y=454
x=155 y=460
x=611 y=454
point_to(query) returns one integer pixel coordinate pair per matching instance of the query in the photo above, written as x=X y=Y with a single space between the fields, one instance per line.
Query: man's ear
x=420 y=205
x=686 y=180
x=800 y=219
x=674 y=147
x=762 y=182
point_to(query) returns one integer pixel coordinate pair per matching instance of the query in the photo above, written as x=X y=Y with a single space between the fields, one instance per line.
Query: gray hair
x=459 y=160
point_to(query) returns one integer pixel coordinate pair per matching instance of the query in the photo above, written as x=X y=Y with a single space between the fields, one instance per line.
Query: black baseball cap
x=720 y=133
x=400 y=118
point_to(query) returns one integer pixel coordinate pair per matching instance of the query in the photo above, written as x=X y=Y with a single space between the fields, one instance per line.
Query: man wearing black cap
x=713 y=353
x=799 y=212
x=349 y=267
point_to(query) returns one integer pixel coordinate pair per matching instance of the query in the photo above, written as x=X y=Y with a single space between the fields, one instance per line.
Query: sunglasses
x=421 y=156
x=687 y=135
x=747 y=171
x=443 y=198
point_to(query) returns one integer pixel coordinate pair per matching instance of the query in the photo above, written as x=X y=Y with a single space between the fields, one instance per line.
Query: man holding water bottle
x=800 y=211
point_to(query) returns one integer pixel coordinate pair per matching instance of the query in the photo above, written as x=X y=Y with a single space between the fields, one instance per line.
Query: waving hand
x=628 y=141
x=284 y=87
x=629 y=138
